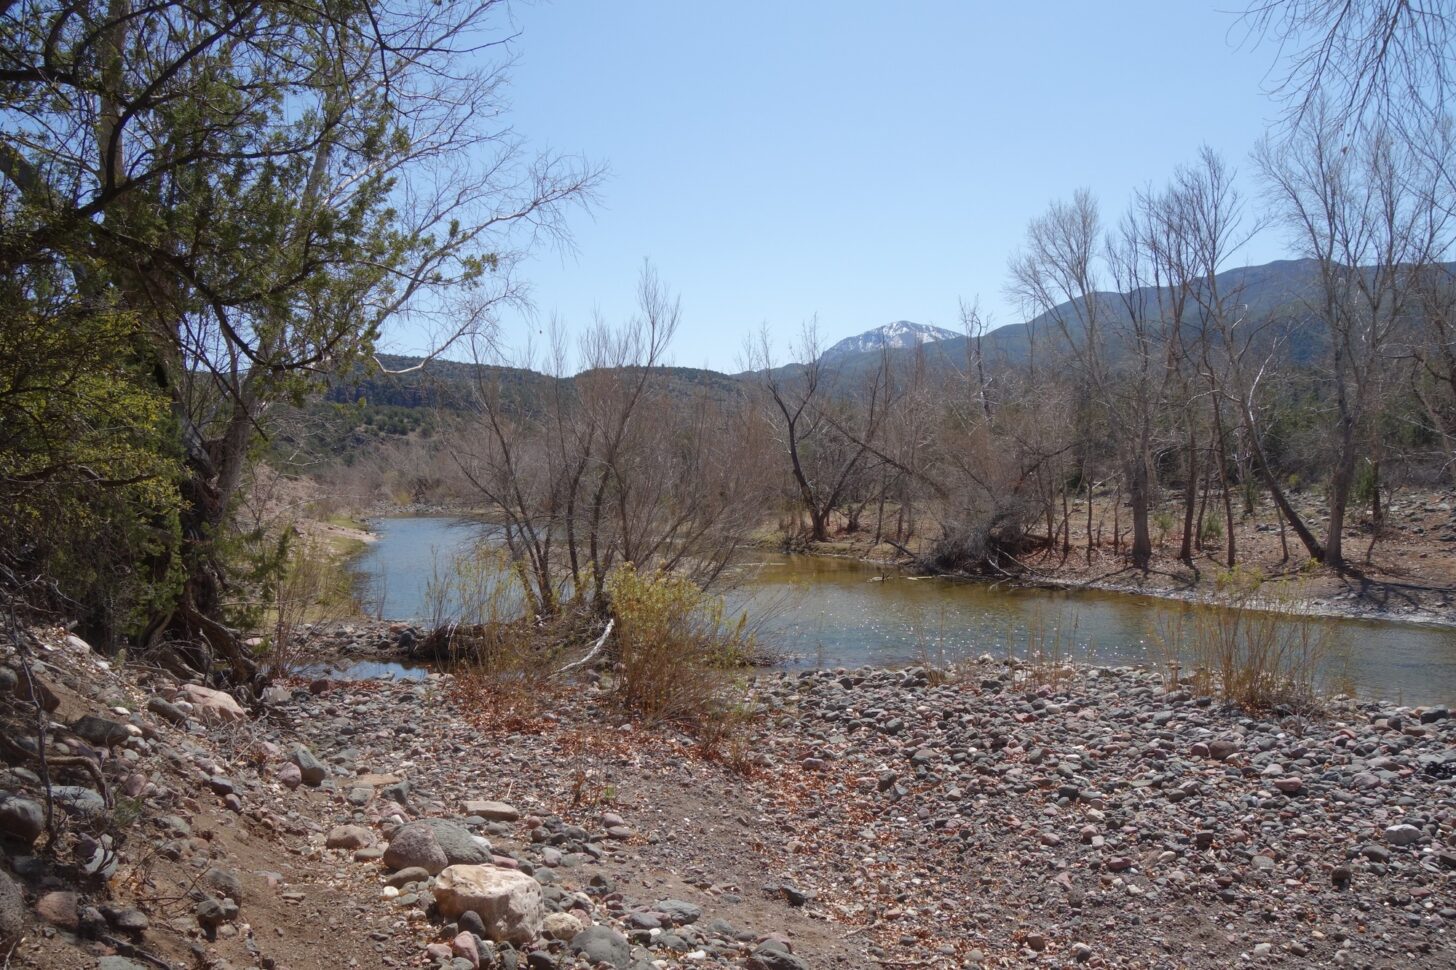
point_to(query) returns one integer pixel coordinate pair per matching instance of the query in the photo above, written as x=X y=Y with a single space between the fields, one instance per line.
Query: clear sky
x=864 y=162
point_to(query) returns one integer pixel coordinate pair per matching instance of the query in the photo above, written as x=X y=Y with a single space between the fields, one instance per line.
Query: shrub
x=1163 y=521
x=675 y=649
x=1211 y=530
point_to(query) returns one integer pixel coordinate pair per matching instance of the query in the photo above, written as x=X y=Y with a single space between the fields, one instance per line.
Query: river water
x=831 y=612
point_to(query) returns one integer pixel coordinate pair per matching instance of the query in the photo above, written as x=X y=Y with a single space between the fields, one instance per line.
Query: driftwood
x=593 y=652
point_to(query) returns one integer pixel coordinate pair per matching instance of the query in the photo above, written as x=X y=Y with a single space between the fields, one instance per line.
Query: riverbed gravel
x=1001 y=816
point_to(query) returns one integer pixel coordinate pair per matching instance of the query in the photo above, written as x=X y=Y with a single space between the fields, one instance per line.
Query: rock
x=1221 y=750
x=118 y=963
x=60 y=909
x=21 y=820
x=225 y=883
x=508 y=902
x=349 y=837
x=212 y=913
x=1402 y=834
x=465 y=947
x=560 y=926
x=12 y=912
x=492 y=811
x=100 y=731
x=79 y=800
x=310 y=768
x=166 y=710
x=602 y=944
x=432 y=844
x=212 y=705
x=773 y=956
x=276 y=694
x=471 y=922
x=1289 y=786
x=127 y=919
x=34 y=690
x=406 y=876
x=289 y=775
x=679 y=913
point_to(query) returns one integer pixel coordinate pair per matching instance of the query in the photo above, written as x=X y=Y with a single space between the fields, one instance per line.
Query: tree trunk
x=1190 y=497
x=1138 y=493
x=1223 y=483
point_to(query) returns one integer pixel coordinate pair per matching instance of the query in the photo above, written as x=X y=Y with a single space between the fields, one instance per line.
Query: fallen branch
x=592 y=653
x=134 y=952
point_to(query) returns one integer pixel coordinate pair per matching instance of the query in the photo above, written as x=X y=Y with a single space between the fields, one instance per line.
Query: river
x=830 y=612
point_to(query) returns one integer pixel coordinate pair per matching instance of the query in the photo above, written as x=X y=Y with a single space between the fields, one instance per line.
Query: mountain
x=900 y=335
x=1278 y=295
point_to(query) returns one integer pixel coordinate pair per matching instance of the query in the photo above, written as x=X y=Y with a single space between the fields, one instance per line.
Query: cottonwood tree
x=1366 y=218
x=269 y=187
x=1119 y=350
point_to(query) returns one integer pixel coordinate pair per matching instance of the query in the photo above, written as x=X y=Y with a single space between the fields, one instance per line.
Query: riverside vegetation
x=211 y=219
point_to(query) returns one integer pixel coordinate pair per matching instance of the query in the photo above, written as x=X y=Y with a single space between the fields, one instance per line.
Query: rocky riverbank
x=867 y=818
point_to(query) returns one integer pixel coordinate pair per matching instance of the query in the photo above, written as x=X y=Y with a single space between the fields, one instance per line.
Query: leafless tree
x=826 y=433
x=1365 y=217
x=1386 y=63
x=619 y=463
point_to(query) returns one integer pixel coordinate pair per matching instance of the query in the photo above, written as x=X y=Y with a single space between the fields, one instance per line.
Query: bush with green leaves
x=676 y=648
x=88 y=472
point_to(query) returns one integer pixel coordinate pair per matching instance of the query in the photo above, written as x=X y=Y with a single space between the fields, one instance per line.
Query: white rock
x=212 y=705
x=508 y=902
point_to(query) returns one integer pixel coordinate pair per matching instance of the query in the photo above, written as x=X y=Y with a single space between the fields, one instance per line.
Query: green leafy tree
x=266 y=188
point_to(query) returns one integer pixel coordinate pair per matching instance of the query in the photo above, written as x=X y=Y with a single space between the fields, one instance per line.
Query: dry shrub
x=1046 y=660
x=676 y=653
x=503 y=660
x=1258 y=647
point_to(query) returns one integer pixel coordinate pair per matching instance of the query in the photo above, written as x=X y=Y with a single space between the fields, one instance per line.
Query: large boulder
x=434 y=843
x=508 y=902
x=212 y=705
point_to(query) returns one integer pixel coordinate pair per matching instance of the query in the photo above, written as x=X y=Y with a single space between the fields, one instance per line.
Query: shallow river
x=829 y=612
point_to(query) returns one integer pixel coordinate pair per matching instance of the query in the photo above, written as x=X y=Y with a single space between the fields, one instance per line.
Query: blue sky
x=862 y=162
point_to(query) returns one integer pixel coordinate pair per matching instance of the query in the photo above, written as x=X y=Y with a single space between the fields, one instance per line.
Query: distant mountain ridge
x=897 y=335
